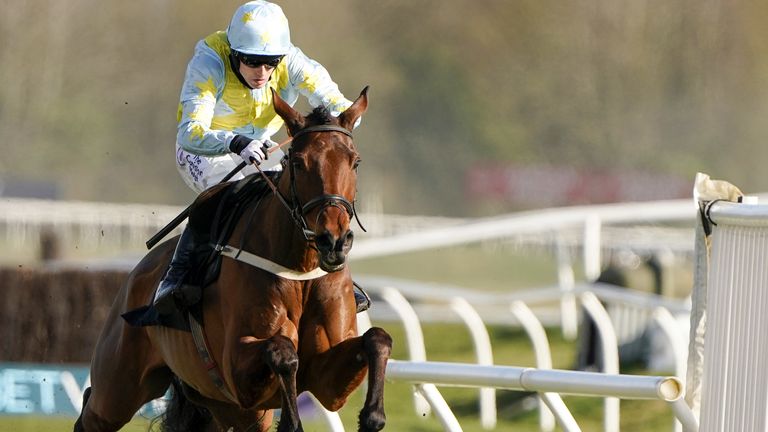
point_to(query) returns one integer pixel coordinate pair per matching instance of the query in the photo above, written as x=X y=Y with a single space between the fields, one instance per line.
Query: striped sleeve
x=203 y=83
x=315 y=83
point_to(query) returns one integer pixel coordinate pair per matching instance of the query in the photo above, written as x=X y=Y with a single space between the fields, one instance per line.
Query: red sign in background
x=551 y=186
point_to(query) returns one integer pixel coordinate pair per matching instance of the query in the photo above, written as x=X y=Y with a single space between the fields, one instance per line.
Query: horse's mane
x=320 y=116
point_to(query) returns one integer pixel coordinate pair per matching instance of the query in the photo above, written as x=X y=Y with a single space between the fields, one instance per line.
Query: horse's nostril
x=324 y=241
x=348 y=239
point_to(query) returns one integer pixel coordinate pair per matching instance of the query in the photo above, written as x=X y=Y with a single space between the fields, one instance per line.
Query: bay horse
x=270 y=337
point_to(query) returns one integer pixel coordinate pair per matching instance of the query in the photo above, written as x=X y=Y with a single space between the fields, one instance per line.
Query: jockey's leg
x=169 y=289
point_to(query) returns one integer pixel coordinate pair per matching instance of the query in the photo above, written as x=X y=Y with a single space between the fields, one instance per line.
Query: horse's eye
x=357 y=163
x=298 y=162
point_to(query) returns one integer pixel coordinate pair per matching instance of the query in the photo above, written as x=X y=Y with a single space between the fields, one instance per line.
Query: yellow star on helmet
x=247 y=17
x=266 y=37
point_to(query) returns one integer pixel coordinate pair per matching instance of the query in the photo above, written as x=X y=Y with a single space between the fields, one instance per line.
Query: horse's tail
x=181 y=415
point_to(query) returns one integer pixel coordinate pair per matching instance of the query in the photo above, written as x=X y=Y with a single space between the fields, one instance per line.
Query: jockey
x=226 y=114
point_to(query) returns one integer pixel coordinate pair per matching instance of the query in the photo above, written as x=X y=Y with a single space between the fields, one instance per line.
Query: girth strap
x=201 y=342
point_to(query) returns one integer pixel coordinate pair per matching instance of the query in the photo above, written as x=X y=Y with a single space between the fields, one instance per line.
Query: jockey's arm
x=203 y=83
x=314 y=82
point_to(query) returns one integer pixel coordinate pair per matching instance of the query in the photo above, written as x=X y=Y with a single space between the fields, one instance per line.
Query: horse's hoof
x=371 y=421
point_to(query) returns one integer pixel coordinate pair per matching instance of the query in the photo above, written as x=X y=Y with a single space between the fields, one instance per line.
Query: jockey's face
x=256 y=77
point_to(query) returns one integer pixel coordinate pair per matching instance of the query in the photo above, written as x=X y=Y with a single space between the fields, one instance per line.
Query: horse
x=269 y=337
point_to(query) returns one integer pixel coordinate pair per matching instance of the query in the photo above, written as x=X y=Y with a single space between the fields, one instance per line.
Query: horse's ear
x=294 y=121
x=348 y=118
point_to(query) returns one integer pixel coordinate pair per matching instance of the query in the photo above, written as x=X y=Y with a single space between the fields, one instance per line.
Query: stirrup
x=362 y=300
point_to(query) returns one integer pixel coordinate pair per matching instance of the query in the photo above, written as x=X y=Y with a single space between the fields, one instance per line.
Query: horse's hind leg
x=335 y=373
x=109 y=408
x=126 y=372
x=279 y=355
x=79 y=423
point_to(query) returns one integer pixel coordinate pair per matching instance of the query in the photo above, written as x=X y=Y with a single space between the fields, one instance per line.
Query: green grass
x=488 y=267
x=55 y=424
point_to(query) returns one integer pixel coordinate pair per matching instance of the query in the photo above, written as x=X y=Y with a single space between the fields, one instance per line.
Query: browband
x=323 y=128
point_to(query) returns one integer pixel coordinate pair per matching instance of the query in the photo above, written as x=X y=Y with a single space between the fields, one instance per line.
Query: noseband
x=297 y=210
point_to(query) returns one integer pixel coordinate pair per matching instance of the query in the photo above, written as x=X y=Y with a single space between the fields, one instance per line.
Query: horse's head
x=322 y=176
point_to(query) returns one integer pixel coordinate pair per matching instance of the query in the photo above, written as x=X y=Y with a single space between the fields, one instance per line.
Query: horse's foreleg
x=336 y=373
x=279 y=355
x=284 y=362
x=377 y=347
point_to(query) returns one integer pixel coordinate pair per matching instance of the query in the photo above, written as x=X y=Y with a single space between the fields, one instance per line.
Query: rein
x=295 y=209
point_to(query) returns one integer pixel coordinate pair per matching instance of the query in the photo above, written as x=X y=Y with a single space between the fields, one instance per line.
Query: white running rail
x=592 y=303
x=538 y=337
x=484 y=353
x=667 y=389
x=609 y=352
x=734 y=393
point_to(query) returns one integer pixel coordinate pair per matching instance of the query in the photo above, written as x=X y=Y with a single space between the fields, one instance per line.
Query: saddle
x=213 y=217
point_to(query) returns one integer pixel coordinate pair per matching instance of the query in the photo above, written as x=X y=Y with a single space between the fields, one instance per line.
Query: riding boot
x=169 y=289
x=362 y=300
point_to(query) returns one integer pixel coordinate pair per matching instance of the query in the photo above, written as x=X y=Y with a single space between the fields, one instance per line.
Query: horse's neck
x=279 y=239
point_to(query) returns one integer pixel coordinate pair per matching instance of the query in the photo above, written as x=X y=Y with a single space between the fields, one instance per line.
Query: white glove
x=254 y=152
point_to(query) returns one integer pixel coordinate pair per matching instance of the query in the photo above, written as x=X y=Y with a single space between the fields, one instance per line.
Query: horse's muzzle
x=333 y=250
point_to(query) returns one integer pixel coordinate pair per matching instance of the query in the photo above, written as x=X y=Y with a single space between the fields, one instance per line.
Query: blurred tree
x=91 y=89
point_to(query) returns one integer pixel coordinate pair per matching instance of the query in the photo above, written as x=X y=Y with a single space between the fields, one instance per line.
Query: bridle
x=295 y=208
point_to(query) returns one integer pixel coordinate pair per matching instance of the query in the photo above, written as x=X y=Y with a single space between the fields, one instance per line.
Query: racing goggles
x=254 y=61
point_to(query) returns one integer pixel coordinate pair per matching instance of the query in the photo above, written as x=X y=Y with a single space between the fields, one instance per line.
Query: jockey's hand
x=253 y=151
